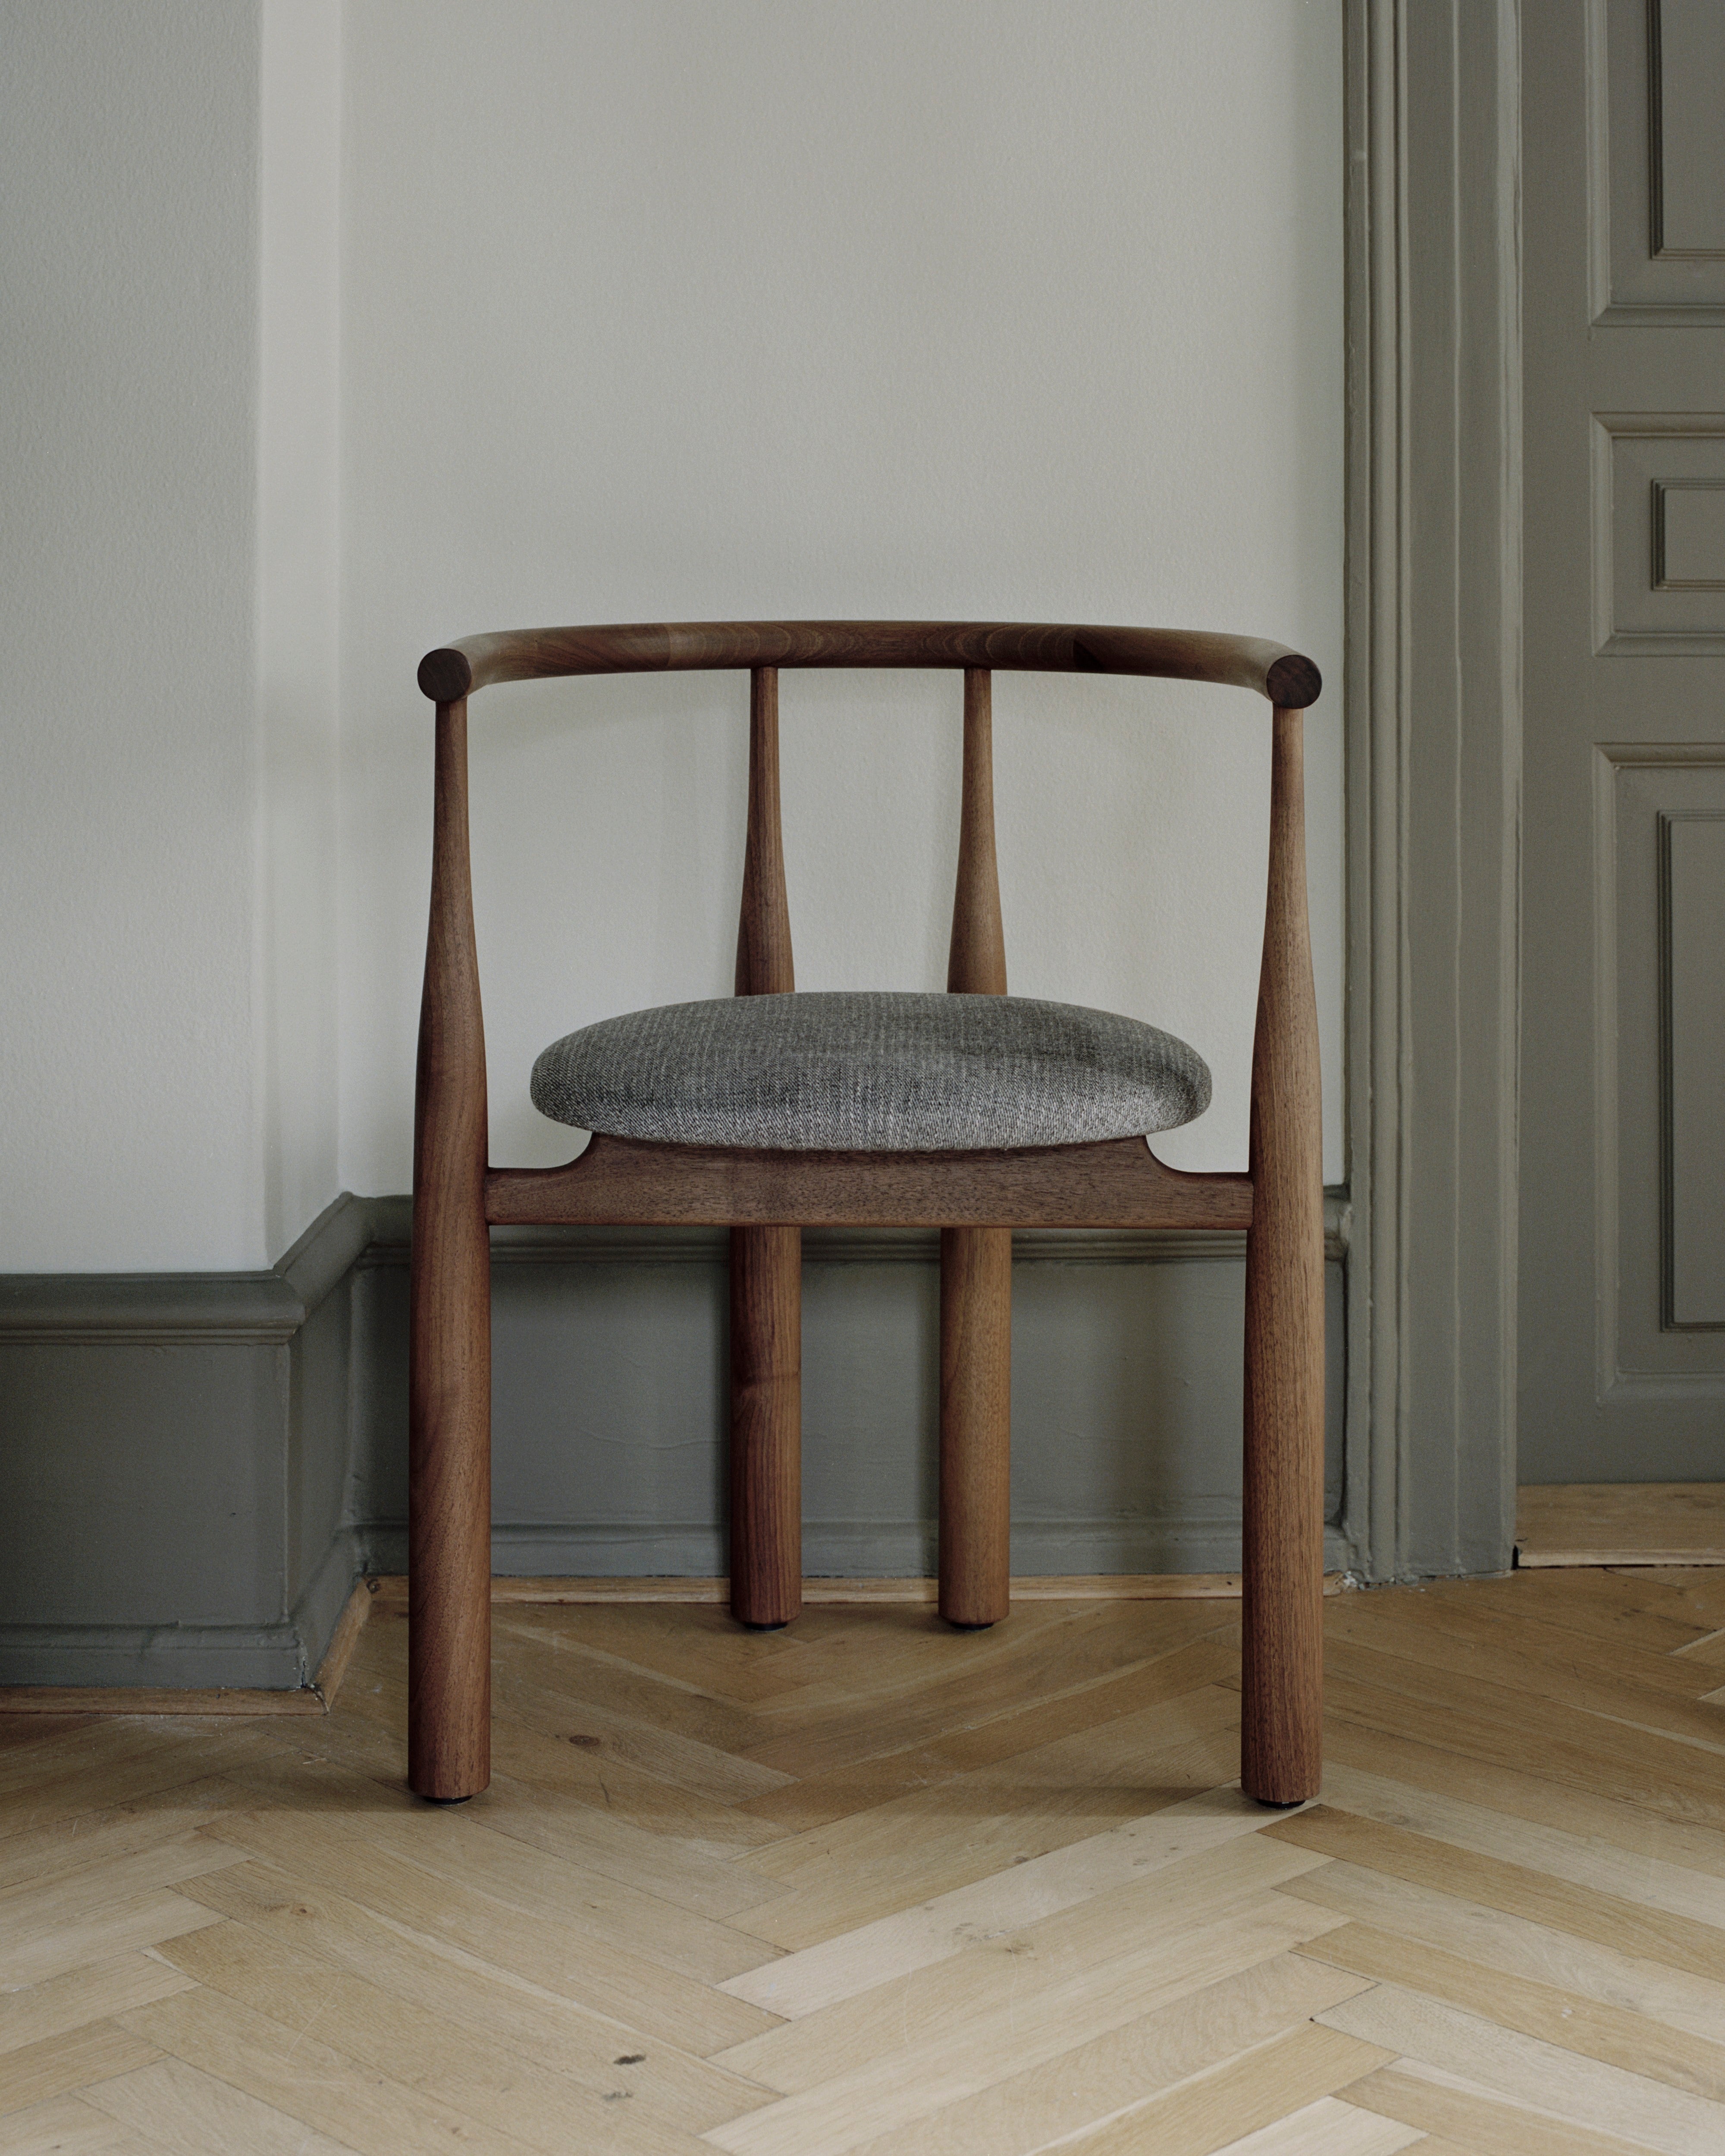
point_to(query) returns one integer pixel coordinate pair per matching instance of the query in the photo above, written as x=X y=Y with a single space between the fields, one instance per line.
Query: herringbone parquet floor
x=868 y=1886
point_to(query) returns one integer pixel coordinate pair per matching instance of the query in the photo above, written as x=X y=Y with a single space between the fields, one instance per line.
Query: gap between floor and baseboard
x=391 y=1590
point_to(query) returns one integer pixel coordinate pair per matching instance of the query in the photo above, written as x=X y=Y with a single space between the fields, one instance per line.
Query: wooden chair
x=766 y=1193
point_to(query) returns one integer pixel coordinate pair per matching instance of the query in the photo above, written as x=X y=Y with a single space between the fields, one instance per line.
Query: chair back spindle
x=763 y=930
x=976 y=964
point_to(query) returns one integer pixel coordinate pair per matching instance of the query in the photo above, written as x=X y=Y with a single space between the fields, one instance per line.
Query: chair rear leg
x=766 y=1425
x=976 y=1425
x=450 y=1500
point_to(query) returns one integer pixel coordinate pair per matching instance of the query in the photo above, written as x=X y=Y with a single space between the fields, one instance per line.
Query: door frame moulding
x=1433 y=688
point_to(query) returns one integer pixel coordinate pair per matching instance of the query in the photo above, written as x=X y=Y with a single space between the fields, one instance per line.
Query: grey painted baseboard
x=194 y=1468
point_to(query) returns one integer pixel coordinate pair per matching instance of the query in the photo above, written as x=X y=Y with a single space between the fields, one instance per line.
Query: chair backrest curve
x=1286 y=678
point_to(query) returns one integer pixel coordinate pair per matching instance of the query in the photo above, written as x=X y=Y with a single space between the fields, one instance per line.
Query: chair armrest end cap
x=1292 y=682
x=445 y=676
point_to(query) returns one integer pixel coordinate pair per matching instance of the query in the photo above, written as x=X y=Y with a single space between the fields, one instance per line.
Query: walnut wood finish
x=1118 y=1183
x=765 y=1263
x=1282 y=1658
x=1285 y=677
x=976 y=959
x=976 y=1263
x=763 y=928
x=766 y=1425
x=449 y=1329
x=976 y=1425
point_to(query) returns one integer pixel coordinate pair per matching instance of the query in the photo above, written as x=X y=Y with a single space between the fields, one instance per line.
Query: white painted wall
x=128 y=420
x=646 y=310
x=663 y=310
x=299 y=608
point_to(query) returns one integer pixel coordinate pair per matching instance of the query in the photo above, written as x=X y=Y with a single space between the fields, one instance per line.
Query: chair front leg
x=449 y=1331
x=449 y=1506
x=1282 y=1722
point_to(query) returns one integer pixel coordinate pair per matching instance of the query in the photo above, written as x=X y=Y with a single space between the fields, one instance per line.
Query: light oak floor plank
x=1176 y=2082
x=871 y=1885
x=1680 y=1942
x=1526 y=1792
x=357 y=1815
x=69 y=2126
x=174 y=2107
x=427 y=2051
x=34 y=2012
x=927 y=1841
x=1513 y=1945
x=56 y=2066
x=1327 y=2127
x=1262 y=2083
x=591 y=2050
x=1536 y=2076
x=297 y=2071
x=1588 y=1523
x=56 y=1949
x=574 y=1962
x=913 y=1938
x=1616 y=2037
x=1113 y=1943
x=1636 y=1877
x=1474 y=2120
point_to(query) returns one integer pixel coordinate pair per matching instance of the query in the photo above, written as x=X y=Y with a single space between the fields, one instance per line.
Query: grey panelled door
x=1622 y=1075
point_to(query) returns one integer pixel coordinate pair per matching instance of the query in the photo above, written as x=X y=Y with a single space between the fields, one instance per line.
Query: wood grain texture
x=1474 y=2122
x=1327 y=2127
x=765 y=1288
x=976 y=957
x=1025 y=1908
x=764 y=964
x=449 y=1326
x=1616 y=2035
x=1117 y=1183
x=172 y=2106
x=976 y=1425
x=1539 y=2076
x=1285 y=677
x=1515 y=1946
x=765 y=1465
x=1587 y=1523
x=1678 y=1941
x=1282 y=1526
x=976 y=1263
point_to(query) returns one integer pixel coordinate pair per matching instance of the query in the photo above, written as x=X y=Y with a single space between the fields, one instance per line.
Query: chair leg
x=976 y=1425
x=766 y=1425
x=1281 y=1727
x=449 y=1499
x=1281 y=1704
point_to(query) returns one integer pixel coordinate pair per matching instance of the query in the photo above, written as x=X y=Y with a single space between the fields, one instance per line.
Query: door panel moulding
x=1433 y=685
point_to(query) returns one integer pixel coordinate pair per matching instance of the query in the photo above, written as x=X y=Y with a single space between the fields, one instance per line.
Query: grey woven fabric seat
x=871 y=1072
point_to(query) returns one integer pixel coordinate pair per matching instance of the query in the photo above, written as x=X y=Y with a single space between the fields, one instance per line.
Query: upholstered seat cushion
x=875 y=1073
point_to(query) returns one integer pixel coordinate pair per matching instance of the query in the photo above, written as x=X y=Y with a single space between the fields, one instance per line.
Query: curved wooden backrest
x=977 y=962
x=454 y=670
